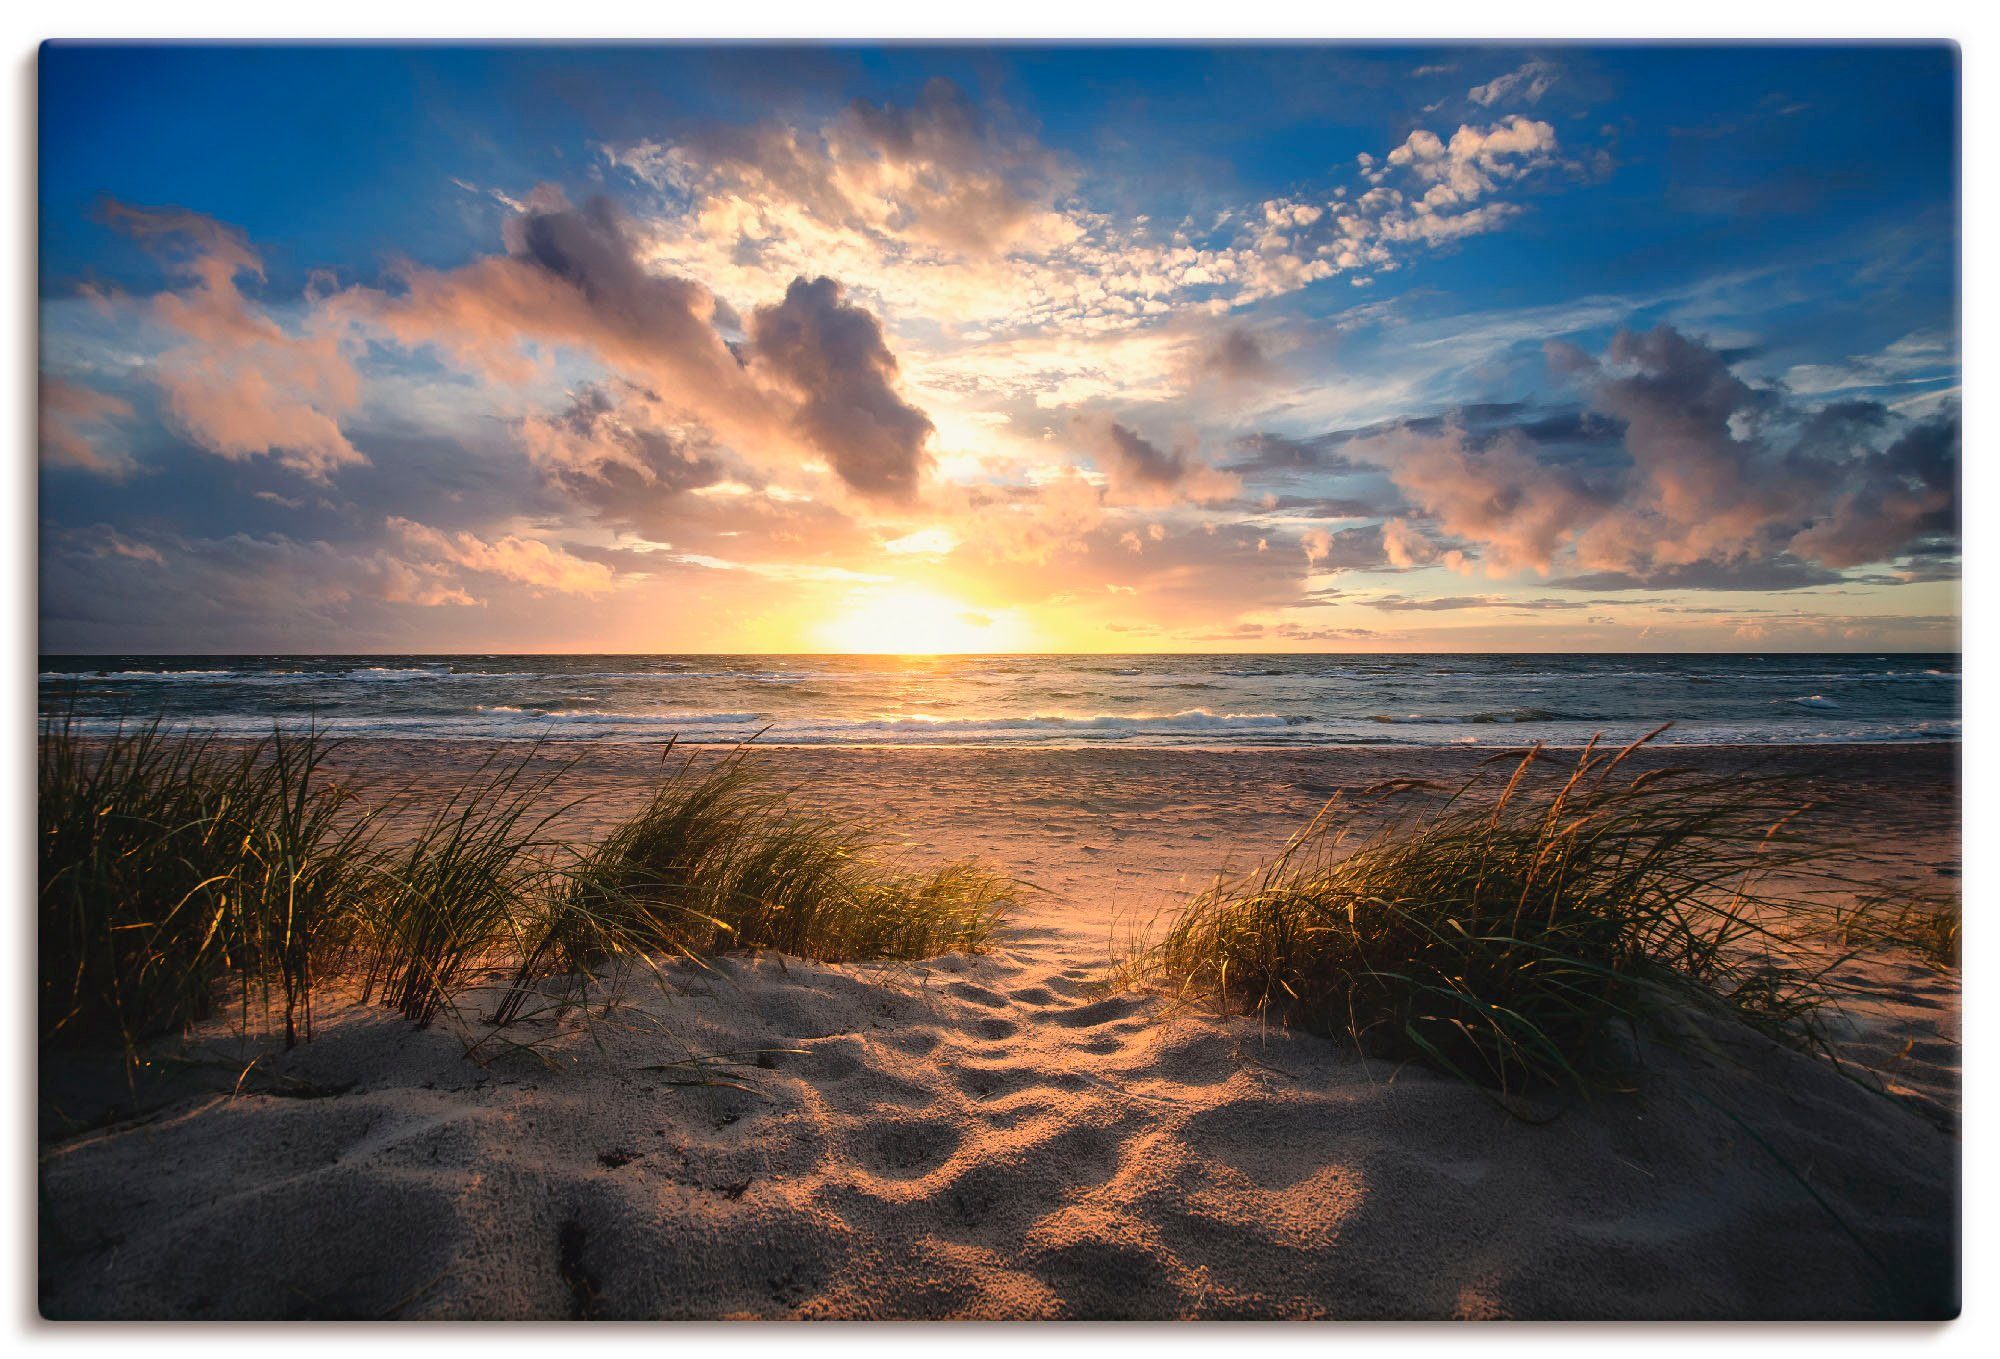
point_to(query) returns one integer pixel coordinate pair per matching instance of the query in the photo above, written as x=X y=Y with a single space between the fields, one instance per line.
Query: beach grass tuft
x=1499 y=933
x=722 y=858
x=448 y=899
x=1930 y=927
x=170 y=865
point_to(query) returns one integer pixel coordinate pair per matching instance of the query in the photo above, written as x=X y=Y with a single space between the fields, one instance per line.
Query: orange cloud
x=239 y=384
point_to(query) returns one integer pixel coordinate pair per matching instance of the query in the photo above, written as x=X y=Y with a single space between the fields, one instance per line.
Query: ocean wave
x=1813 y=701
x=128 y=676
x=1477 y=719
x=1193 y=719
x=598 y=717
x=396 y=673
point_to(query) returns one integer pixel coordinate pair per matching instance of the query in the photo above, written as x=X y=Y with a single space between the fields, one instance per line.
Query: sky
x=986 y=349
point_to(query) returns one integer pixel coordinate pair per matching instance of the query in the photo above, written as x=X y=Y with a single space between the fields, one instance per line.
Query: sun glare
x=914 y=622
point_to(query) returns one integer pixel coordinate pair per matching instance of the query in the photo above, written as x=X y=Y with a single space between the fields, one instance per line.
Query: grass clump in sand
x=449 y=899
x=723 y=859
x=1499 y=937
x=170 y=865
x=1928 y=927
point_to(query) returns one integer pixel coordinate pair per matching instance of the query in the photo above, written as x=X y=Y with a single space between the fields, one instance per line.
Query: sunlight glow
x=916 y=622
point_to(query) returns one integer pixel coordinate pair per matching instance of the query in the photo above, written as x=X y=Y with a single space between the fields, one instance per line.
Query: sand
x=1009 y=1135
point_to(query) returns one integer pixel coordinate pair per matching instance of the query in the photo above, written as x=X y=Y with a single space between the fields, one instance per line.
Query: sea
x=1038 y=701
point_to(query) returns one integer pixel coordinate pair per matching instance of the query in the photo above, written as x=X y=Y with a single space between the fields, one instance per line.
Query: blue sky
x=999 y=348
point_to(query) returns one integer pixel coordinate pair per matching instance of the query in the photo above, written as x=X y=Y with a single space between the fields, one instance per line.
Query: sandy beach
x=1014 y=1134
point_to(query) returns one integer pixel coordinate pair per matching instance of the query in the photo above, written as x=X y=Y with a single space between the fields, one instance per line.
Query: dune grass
x=1498 y=933
x=171 y=865
x=1929 y=927
x=451 y=896
x=722 y=858
x=179 y=872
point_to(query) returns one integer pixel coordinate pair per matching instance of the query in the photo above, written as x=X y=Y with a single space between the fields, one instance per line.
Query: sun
x=914 y=622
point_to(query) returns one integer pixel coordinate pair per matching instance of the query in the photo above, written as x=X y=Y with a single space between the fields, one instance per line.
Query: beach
x=1021 y=1133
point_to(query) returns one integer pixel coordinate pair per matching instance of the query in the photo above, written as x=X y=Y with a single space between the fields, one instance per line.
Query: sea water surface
x=1177 y=700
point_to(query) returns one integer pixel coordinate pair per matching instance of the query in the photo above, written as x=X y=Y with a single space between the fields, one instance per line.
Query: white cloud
x=1527 y=83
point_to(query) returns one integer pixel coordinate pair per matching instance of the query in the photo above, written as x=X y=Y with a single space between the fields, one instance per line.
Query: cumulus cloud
x=1234 y=360
x=829 y=355
x=1714 y=473
x=527 y=561
x=939 y=173
x=74 y=424
x=1142 y=472
x=815 y=376
x=238 y=383
x=622 y=439
x=1425 y=192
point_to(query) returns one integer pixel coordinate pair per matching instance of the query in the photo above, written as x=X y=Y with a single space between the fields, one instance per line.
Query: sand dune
x=990 y=1137
x=1001 y=1136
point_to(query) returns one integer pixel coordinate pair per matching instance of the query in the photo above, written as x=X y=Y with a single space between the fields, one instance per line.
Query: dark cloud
x=1784 y=573
x=1140 y=470
x=1233 y=360
x=1678 y=472
x=588 y=248
x=814 y=374
x=1328 y=506
x=1433 y=603
x=1266 y=452
x=1348 y=549
x=831 y=356
x=613 y=454
x=1906 y=496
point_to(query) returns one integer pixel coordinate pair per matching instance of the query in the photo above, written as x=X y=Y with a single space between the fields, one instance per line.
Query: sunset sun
x=910 y=621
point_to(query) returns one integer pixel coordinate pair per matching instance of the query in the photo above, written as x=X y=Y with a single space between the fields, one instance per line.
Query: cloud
x=1434 y=603
x=943 y=209
x=1518 y=509
x=1892 y=501
x=619 y=440
x=1924 y=356
x=237 y=383
x=1780 y=573
x=1715 y=473
x=528 y=561
x=939 y=173
x=1349 y=549
x=815 y=376
x=1269 y=452
x=1142 y=472
x=1526 y=83
x=72 y=421
x=830 y=357
x=102 y=590
x=1234 y=359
